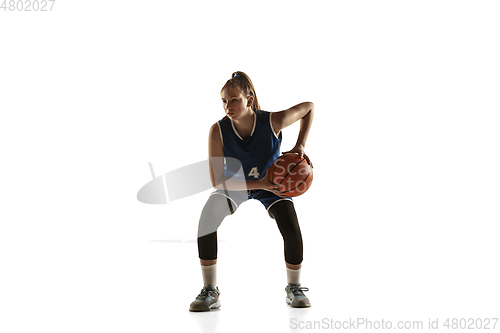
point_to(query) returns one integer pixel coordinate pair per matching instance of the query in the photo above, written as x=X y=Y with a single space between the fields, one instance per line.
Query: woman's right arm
x=216 y=163
x=215 y=156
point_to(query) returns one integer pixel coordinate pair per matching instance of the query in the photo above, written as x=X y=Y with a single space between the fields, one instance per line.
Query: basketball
x=293 y=172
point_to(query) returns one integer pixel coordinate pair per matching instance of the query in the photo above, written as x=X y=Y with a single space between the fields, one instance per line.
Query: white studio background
x=401 y=221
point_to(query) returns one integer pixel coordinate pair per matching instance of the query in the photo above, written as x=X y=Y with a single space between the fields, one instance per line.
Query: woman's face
x=234 y=103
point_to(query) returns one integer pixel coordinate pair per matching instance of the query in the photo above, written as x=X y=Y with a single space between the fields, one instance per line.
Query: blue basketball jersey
x=257 y=152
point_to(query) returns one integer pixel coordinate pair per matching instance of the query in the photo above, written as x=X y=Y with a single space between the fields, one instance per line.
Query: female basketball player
x=253 y=137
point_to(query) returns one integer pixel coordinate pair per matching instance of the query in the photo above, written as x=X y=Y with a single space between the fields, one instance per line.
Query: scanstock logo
x=190 y=180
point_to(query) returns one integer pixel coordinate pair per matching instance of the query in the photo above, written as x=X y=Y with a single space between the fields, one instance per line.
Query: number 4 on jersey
x=254 y=172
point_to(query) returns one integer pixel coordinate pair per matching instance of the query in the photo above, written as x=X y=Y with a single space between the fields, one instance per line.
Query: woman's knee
x=287 y=221
x=284 y=214
x=214 y=212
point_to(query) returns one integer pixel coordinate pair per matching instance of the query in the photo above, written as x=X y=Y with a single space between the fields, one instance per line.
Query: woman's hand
x=299 y=150
x=270 y=186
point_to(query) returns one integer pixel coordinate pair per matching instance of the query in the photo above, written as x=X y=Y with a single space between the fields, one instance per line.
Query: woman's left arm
x=304 y=112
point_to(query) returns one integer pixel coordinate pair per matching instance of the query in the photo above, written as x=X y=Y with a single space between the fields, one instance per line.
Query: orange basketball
x=293 y=172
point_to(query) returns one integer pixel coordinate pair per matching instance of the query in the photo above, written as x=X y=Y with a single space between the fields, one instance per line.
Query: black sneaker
x=295 y=296
x=207 y=299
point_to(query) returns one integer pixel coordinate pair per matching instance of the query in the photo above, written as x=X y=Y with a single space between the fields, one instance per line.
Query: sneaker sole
x=303 y=305
x=207 y=308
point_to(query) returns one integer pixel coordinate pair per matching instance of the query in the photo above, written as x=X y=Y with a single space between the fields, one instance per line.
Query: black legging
x=217 y=208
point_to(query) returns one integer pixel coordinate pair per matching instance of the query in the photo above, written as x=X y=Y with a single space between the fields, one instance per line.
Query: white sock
x=293 y=275
x=209 y=274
